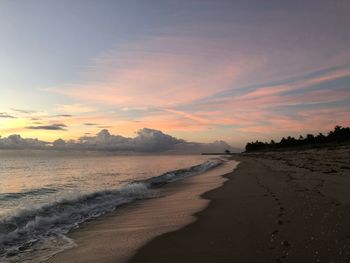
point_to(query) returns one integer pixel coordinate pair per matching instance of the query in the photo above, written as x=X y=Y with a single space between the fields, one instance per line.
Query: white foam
x=28 y=228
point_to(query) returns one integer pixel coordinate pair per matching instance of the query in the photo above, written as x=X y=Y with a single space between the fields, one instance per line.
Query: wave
x=18 y=233
x=19 y=195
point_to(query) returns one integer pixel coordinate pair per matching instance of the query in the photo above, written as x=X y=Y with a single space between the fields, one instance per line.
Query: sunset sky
x=236 y=70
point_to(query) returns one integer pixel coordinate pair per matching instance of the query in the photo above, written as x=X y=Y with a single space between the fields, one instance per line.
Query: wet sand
x=276 y=207
x=117 y=236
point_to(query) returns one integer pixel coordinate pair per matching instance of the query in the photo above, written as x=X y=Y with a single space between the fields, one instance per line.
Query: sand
x=275 y=207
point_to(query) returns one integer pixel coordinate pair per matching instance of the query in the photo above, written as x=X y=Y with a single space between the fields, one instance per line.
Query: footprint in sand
x=280 y=259
x=285 y=243
x=275 y=232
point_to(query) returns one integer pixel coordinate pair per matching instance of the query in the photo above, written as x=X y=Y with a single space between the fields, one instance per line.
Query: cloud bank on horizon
x=200 y=70
x=147 y=140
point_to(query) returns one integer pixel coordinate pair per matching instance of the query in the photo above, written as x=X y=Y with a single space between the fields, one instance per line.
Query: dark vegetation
x=338 y=135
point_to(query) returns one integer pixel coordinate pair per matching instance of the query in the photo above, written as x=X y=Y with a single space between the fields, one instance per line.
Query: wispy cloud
x=260 y=102
x=90 y=124
x=182 y=69
x=51 y=127
x=5 y=115
x=74 y=108
x=249 y=109
x=64 y=115
x=23 y=111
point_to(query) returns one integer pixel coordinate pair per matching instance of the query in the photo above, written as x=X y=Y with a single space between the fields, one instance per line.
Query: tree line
x=338 y=135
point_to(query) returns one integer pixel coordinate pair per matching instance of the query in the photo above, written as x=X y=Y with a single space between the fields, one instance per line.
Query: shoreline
x=277 y=207
x=274 y=207
x=218 y=235
x=116 y=236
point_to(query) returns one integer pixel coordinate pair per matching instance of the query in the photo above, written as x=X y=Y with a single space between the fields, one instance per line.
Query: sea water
x=43 y=194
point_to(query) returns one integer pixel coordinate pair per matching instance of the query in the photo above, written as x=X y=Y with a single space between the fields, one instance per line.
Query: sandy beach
x=275 y=207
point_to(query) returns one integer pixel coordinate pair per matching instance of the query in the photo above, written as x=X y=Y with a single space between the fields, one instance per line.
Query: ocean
x=44 y=195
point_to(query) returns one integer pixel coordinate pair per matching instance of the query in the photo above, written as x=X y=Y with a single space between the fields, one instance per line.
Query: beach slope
x=277 y=207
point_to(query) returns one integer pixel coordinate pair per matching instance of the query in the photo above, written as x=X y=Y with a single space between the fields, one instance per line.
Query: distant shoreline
x=338 y=136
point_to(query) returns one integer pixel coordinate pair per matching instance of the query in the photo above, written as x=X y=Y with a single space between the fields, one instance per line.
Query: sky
x=200 y=70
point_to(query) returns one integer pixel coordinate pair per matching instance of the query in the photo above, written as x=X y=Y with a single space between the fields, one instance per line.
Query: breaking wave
x=19 y=233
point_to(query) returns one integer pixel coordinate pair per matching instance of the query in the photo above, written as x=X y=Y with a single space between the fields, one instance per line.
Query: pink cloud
x=171 y=73
x=162 y=71
x=297 y=85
